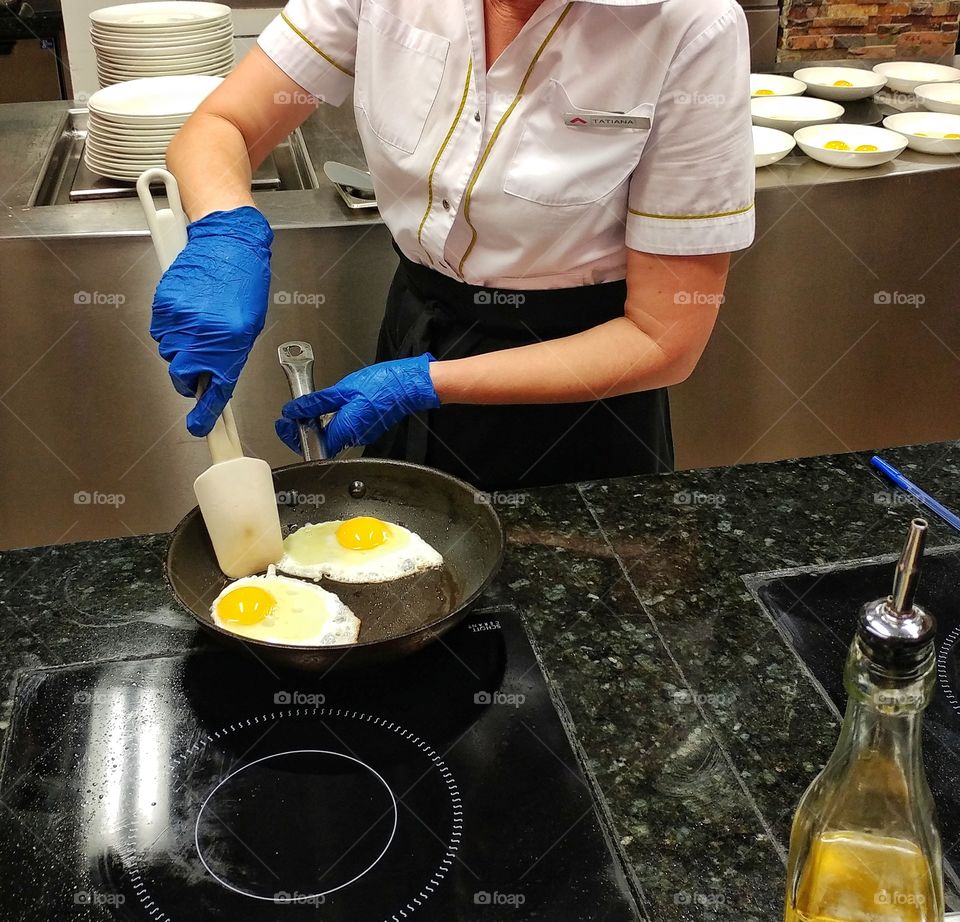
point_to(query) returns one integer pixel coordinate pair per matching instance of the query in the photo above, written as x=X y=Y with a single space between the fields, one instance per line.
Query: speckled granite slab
x=691 y=712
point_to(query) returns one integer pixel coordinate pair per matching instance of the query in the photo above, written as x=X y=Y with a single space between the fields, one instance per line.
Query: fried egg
x=278 y=609
x=842 y=83
x=837 y=145
x=358 y=550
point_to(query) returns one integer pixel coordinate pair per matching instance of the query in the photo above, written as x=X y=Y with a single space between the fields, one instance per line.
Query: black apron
x=506 y=447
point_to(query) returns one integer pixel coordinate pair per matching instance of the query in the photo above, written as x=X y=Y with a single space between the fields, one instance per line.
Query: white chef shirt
x=493 y=177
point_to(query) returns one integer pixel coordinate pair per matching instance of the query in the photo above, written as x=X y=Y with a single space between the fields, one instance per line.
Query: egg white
x=314 y=552
x=305 y=614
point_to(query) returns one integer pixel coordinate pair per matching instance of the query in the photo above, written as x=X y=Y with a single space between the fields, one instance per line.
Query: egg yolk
x=363 y=533
x=246 y=605
x=837 y=145
x=842 y=83
x=952 y=136
x=867 y=148
x=764 y=93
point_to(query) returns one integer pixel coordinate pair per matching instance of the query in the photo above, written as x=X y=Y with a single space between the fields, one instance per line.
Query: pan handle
x=296 y=360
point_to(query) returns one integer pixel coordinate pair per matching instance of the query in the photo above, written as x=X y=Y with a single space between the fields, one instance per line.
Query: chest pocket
x=560 y=164
x=399 y=70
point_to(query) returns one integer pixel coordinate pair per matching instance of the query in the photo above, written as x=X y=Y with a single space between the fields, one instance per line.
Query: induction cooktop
x=816 y=610
x=446 y=786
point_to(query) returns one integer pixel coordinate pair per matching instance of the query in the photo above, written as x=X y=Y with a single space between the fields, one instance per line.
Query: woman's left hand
x=367 y=403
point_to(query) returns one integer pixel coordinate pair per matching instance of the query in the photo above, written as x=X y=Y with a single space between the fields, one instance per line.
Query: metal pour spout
x=907 y=574
x=896 y=629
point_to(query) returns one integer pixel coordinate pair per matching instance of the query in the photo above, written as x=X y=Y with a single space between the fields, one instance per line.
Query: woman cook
x=564 y=182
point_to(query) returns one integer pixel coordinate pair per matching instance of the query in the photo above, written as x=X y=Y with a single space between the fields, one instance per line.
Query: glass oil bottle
x=864 y=846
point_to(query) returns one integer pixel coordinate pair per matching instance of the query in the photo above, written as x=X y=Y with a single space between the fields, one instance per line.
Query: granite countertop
x=696 y=720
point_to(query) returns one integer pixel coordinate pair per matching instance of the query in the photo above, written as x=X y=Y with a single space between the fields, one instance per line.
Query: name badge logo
x=603 y=120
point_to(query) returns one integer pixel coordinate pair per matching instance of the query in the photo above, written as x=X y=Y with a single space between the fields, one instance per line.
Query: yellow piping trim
x=436 y=160
x=322 y=54
x=496 y=134
x=691 y=217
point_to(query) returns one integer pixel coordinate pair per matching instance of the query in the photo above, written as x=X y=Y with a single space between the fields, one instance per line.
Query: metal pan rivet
x=357 y=489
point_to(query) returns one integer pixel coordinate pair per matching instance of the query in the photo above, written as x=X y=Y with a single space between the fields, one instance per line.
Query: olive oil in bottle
x=864 y=846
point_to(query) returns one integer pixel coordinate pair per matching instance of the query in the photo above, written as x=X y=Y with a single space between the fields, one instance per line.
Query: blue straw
x=924 y=498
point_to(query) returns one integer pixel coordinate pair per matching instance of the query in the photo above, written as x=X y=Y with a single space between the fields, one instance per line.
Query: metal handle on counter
x=296 y=360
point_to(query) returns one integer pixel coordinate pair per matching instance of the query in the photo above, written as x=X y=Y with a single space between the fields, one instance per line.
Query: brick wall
x=826 y=30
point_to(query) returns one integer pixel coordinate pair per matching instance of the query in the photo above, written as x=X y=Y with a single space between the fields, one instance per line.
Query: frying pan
x=397 y=617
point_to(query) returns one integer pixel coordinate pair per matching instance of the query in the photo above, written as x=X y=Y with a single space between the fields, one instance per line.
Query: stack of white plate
x=130 y=124
x=162 y=38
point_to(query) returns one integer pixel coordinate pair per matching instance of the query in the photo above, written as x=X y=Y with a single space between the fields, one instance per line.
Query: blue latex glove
x=210 y=306
x=367 y=403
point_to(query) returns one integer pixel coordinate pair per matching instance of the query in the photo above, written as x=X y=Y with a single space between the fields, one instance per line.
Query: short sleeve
x=692 y=192
x=314 y=42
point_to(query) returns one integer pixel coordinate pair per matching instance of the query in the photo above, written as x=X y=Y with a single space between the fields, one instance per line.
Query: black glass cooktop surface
x=816 y=610
x=201 y=787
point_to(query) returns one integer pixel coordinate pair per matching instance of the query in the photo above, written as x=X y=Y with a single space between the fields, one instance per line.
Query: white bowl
x=154 y=97
x=906 y=76
x=821 y=82
x=157 y=126
x=117 y=171
x=791 y=113
x=777 y=84
x=161 y=14
x=163 y=43
x=131 y=50
x=812 y=141
x=940 y=97
x=138 y=71
x=770 y=145
x=180 y=60
x=924 y=131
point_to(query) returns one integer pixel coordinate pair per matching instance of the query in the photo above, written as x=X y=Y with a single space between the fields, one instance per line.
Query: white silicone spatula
x=235 y=494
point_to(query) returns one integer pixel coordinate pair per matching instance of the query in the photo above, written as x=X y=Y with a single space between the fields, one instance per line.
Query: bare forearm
x=231 y=134
x=210 y=160
x=613 y=358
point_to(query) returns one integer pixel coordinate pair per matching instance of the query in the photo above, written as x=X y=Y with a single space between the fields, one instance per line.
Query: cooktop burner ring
x=129 y=852
x=276 y=755
x=943 y=654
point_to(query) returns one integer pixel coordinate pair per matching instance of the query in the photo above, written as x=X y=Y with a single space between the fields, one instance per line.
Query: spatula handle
x=168 y=229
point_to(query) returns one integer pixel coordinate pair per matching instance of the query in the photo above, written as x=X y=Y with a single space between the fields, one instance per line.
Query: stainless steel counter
x=27 y=131
x=807 y=358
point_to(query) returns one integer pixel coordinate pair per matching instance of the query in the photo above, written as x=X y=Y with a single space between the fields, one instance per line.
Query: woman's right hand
x=211 y=305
